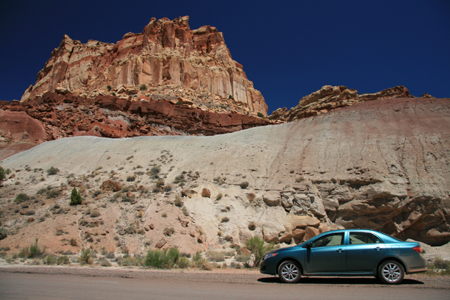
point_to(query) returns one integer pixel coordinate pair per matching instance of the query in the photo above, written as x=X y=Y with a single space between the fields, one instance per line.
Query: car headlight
x=269 y=255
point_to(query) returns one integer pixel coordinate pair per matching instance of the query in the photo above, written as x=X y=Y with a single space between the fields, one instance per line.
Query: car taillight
x=418 y=249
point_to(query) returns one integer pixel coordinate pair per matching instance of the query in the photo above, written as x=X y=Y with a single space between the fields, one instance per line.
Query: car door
x=364 y=251
x=327 y=255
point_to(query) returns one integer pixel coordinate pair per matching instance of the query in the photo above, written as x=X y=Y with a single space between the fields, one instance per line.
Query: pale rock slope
x=380 y=164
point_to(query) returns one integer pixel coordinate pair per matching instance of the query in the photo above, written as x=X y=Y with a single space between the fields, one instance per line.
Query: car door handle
x=340 y=250
x=378 y=248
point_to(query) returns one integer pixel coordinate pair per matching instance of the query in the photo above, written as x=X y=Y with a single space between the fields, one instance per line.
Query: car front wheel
x=289 y=272
x=391 y=272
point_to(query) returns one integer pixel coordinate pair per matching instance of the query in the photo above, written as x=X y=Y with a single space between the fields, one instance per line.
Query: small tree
x=2 y=174
x=75 y=197
x=256 y=246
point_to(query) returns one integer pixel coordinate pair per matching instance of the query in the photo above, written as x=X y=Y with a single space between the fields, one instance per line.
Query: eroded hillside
x=381 y=164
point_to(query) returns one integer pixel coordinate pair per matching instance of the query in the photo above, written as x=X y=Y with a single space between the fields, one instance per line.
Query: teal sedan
x=348 y=252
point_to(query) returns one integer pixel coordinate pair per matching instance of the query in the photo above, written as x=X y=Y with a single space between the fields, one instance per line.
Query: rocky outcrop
x=332 y=97
x=19 y=131
x=56 y=115
x=378 y=164
x=166 y=58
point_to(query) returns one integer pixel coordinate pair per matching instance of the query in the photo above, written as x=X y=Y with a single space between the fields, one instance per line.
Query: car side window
x=329 y=240
x=359 y=238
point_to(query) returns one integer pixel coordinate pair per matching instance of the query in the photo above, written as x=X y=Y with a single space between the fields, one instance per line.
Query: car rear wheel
x=289 y=272
x=391 y=272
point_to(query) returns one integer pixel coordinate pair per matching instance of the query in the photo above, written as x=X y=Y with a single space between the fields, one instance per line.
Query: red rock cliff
x=166 y=58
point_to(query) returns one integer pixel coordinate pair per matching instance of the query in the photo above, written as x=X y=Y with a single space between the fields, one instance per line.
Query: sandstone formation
x=166 y=58
x=332 y=97
x=56 y=115
x=377 y=164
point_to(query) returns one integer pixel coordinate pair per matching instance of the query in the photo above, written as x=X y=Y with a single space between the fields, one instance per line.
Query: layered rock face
x=332 y=97
x=54 y=115
x=167 y=58
x=379 y=164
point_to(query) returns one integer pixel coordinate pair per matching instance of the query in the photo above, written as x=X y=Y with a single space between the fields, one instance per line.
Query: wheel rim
x=391 y=272
x=289 y=272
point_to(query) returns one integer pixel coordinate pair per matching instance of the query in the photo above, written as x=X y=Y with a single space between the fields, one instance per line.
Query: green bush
x=32 y=251
x=260 y=115
x=50 y=260
x=21 y=198
x=75 y=197
x=2 y=174
x=142 y=87
x=62 y=260
x=86 y=257
x=162 y=259
x=257 y=247
x=108 y=88
x=183 y=262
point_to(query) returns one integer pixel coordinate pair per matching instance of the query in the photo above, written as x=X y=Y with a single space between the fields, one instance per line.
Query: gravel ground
x=221 y=276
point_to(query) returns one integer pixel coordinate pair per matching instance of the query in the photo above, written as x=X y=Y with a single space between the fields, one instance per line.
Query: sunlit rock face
x=166 y=58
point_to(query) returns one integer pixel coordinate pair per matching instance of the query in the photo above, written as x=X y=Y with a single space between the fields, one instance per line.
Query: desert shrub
x=32 y=251
x=50 y=260
x=257 y=247
x=160 y=183
x=178 y=201
x=62 y=260
x=243 y=185
x=167 y=188
x=183 y=262
x=131 y=178
x=86 y=257
x=21 y=198
x=243 y=257
x=42 y=191
x=216 y=256
x=52 y=193
x=154 y=171
x=3 y=233
x=75 y=197
x=73 y=242
x=108 y=87
x=104 y=263
x=225 y=220
x=2 y=174
x=95 y=213
x=169 y=231
x=52 y=171
x=142 y=87
x=439 y=267
x=179 y=179
x=260 y=115
x=219 y=196
x=162 y=259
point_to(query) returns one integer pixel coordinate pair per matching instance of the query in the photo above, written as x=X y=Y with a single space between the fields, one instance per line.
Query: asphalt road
x=191 y=286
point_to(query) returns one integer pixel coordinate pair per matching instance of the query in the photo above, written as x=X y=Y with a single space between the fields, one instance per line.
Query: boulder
x=272 y=198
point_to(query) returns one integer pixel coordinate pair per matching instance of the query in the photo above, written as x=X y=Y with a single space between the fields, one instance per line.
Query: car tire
x=289 y=271
x=391 y=272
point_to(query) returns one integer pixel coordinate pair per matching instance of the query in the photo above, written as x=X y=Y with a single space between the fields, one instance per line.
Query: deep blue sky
x=289 y=49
